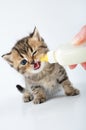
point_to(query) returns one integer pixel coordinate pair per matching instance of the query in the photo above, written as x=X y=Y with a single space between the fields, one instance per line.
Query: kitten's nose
x=32 y=62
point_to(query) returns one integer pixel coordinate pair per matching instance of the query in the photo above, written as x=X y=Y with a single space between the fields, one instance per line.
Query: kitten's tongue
x=37 y=65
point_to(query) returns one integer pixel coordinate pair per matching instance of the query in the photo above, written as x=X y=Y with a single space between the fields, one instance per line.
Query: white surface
x=57 y=21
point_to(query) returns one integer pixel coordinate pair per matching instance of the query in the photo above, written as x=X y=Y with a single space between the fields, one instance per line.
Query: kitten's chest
x=49 y=84
x=34 y=82
x=46 y=82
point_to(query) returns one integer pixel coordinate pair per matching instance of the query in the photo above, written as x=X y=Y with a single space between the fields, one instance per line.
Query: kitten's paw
x=73 y=92
x=39 y=100
x=27 y=97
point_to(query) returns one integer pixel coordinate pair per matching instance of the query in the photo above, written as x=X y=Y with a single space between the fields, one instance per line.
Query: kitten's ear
x=8 y=58
x=36 y=35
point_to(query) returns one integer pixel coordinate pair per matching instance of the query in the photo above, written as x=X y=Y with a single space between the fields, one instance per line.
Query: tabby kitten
x=42 y=79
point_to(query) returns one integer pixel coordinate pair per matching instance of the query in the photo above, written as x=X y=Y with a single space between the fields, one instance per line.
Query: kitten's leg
x=68 y=88
x=64 y=81
x=39 y=94
x=27 y=97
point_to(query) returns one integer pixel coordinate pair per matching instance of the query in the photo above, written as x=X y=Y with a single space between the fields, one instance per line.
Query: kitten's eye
x=23 y=62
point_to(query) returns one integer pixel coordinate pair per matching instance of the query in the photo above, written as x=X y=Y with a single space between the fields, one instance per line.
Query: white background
x=57 y=21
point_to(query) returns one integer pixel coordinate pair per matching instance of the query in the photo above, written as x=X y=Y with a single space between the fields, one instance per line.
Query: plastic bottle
x=67 y=54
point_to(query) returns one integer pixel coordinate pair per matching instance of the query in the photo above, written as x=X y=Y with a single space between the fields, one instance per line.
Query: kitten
x=41 y=79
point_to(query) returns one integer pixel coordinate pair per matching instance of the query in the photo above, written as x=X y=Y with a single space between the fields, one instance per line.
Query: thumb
x=80 y=37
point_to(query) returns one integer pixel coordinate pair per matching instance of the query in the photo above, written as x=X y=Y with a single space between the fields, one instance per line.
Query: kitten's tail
x=20 y=88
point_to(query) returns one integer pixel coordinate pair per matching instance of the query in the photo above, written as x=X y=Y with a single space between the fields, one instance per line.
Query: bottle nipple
x=44 y=58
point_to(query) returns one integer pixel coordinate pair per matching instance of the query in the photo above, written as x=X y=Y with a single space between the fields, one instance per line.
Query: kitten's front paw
x=73 y=92
x=39 y=100
x=27 y=97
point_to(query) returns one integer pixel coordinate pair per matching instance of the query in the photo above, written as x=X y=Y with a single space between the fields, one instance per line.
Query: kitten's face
x=25 y=55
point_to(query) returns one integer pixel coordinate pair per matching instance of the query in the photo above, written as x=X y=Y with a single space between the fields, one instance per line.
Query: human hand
x=79 y=39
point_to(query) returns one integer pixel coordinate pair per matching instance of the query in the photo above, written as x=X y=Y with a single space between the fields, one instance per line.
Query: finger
x=80 y=38
x=84 y=65
x=72 y=66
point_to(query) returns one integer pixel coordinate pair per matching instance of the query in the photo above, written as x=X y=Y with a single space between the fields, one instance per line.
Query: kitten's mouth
x=37 y=65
